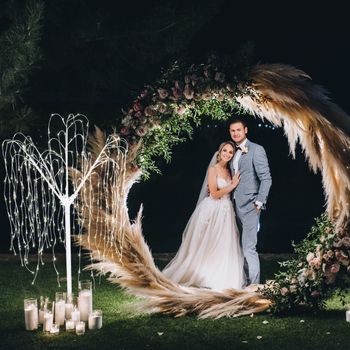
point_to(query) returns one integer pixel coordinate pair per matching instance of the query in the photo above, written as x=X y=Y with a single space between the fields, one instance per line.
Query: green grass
x=123 y=329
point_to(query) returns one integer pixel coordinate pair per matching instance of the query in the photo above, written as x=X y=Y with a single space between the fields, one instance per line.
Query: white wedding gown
x=210 y=254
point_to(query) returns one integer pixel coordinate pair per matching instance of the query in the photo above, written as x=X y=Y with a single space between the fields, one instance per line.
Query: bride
x=210 y=255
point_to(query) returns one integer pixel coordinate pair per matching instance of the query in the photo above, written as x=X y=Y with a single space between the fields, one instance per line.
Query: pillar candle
x=48 y=320
x=60 y=310
x=95 y=319
x=31 y=317
x=85 y=304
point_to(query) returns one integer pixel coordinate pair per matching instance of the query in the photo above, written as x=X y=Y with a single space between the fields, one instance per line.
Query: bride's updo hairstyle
x=218 y=157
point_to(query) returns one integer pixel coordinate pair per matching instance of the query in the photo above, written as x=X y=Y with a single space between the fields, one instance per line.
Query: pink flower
x=161 y=107
x=124 y=131
x=309 y=257
x=206 y=96
x=137 y=106
x=284 y=291
x=346 y=242
x=188 y=92
x=310 y=275
x=149 y=111
x=330 y=253
x=342 y=257
x=180 y=110
x=315 y=262
x=220 y=77
x=163 y=93
x=138 y=114
x=141 y=131
x=335 y=268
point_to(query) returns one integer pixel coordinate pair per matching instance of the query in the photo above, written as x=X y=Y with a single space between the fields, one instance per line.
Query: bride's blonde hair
x=218 y=157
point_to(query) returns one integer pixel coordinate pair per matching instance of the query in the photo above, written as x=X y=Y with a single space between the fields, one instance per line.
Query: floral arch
x=158 y=119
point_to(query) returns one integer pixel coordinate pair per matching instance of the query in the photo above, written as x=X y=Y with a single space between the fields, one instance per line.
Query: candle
x=80 y=328
x=95 y=319
x=31 y=314
x=60 y=308
x=41 y=316
x=70 y=325
x=48 y=320
x=69 y=309
x=347 y=315
x=76 y=316
x=71 y=302
x=55 y=328
x=85 y=300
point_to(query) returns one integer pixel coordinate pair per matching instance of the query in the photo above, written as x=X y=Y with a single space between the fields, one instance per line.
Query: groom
x=250 y=195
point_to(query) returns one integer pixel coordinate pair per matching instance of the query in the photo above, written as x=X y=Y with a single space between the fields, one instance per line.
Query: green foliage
x=19 y=55
x=320 y=269
x=165 y=113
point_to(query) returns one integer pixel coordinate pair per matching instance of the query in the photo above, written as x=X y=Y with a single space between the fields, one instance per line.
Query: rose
x=330 y=253
x=138 y=114
x=310 y=275
x=335 y=268
x=206 y=96
x=161 y=107
x=137 y=106
x=141 y=131
x=342 y=257
x=309 y=257
x=180 y=110
x=124 y=131
x=149 y=111
x=315 y=262
x=163 y=93
x=346 y=242
x=220 y=77
x=284 y=291
x=188 y=92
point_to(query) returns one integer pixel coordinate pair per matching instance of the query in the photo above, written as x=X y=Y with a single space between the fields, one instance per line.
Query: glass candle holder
x=347 y=315
x=48 y=320
x=75 y=315
x=70 y=325
x=55 y=329
x=95 y=320
x=85 y=299
x=60 y=308
x=31 y=314
x=80 y=328
x=71 y=303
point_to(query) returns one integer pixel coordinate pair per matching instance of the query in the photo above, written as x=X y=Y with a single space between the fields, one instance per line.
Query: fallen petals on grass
x=265 y=322
x=160 y=333
x=259 y=337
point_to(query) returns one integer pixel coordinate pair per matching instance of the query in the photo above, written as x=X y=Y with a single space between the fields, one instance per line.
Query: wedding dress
x=210 y=254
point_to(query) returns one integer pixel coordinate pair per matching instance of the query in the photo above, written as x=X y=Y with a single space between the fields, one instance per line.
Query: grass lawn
x=122 y=329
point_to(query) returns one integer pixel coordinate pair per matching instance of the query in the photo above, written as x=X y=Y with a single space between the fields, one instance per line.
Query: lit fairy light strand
x=41 y=189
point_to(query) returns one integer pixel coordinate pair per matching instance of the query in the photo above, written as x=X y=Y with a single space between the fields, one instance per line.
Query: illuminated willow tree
x=40 y=198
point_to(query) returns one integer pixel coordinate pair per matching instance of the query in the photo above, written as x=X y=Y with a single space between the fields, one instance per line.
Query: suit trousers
x=248 y=223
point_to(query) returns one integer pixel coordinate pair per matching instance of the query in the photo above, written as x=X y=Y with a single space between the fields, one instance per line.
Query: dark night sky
x=315 y=39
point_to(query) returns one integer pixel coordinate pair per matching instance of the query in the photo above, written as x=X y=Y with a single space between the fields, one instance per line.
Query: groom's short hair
x=237 y=120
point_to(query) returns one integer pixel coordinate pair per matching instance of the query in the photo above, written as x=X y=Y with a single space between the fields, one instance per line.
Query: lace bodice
x=221 y=182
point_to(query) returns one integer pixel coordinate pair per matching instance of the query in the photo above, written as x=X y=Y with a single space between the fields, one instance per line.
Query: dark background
x=97 y=55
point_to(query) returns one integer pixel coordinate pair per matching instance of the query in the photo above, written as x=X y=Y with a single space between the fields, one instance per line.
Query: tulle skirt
x=210 y=254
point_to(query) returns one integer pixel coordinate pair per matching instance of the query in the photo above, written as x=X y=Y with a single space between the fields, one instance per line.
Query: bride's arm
x=213 y=187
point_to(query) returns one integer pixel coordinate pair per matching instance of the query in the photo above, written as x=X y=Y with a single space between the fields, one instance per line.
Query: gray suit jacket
x=255 y=181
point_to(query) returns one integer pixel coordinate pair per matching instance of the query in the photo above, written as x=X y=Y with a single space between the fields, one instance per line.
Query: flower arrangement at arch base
x=321 y=269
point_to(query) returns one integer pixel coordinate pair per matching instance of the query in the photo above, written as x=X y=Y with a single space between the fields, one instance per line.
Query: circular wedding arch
x=169 y=109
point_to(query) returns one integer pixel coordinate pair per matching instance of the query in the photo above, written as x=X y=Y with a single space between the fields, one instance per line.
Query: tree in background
x=19 y=56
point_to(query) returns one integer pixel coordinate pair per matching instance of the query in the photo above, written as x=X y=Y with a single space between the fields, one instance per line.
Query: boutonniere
x=244 y=149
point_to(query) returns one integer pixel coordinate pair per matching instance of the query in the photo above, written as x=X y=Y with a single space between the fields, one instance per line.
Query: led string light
x=41 y=190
